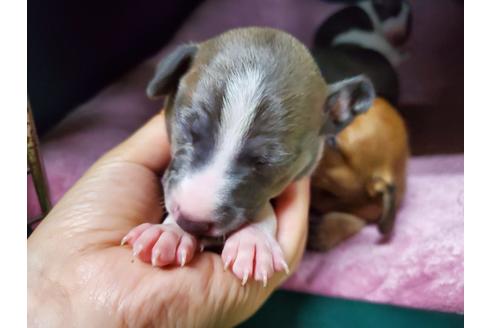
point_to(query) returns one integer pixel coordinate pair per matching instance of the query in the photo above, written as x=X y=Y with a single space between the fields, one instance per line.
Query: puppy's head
x=247 y=113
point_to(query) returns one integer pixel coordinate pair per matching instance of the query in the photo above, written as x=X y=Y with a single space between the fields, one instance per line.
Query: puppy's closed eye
x=194 y=125
x=264 y=158
x=257 y=162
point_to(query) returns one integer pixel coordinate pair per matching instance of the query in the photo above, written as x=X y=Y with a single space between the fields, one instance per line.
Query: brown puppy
x=361 y=178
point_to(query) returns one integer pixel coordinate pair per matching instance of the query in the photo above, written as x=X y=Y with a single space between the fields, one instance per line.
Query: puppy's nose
x=192 y=226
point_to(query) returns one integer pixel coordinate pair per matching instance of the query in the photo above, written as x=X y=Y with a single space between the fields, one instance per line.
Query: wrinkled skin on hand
x=78 y=274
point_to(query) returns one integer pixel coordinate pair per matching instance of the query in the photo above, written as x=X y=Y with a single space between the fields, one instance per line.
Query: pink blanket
x=421 y=267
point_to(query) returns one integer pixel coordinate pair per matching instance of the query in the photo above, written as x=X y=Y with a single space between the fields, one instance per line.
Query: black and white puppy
x=247 y=113
x=379 y=25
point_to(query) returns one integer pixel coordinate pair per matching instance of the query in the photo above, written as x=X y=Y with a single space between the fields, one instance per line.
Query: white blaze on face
x=198 y=194
x=243 y=95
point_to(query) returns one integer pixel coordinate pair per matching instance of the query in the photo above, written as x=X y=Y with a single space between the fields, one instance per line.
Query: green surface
x=289 y=309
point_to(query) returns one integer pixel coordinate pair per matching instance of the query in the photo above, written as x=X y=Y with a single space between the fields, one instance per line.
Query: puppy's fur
x=248 y=113
x=378 y=25
x=365 y=38
x=361 y=179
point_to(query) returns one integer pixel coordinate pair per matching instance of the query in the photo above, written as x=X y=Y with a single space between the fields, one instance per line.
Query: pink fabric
x=423 y=264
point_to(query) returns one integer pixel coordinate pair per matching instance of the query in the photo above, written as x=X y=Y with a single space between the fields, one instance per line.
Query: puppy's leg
x=387 y=191
x=330 y=229
x=253 y=251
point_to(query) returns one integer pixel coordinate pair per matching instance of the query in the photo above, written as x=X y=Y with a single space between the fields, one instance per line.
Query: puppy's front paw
x=161 y=244
x=253 y=252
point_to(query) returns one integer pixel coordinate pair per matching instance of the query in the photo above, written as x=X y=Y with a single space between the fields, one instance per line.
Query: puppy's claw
x=285 y=266
x=265 y=279
x=202 y=247
x=227 y=263
x=124 y=240
x=155 y=255
x=138 y=248
x=182 y=259
x=245 y=278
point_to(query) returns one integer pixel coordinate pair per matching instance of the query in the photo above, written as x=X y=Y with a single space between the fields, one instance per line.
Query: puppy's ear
x=170 y=70
x=346 y=99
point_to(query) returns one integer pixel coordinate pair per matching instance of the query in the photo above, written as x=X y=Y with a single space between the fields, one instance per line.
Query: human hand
x=78 y=274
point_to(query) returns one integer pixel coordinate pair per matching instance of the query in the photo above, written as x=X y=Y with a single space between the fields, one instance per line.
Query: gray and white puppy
x=247 y=113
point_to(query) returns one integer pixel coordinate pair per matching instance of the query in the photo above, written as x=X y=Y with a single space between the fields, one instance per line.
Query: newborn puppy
x=361 y=179
x=248 y=113
x=361 y=176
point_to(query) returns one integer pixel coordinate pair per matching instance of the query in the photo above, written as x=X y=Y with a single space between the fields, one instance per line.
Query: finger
x=292 y=210
x=148 y=146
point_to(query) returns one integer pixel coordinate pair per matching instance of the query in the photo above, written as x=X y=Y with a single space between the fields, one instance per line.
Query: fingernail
x=182 y=260
x=265 y=279
x=227 y=263
x=245 y=278
x=124 y=240
x=155 y=255
x=286 y=267
x=138 y=248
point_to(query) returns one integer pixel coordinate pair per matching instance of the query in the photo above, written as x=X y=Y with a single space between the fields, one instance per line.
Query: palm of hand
x=75 y=254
